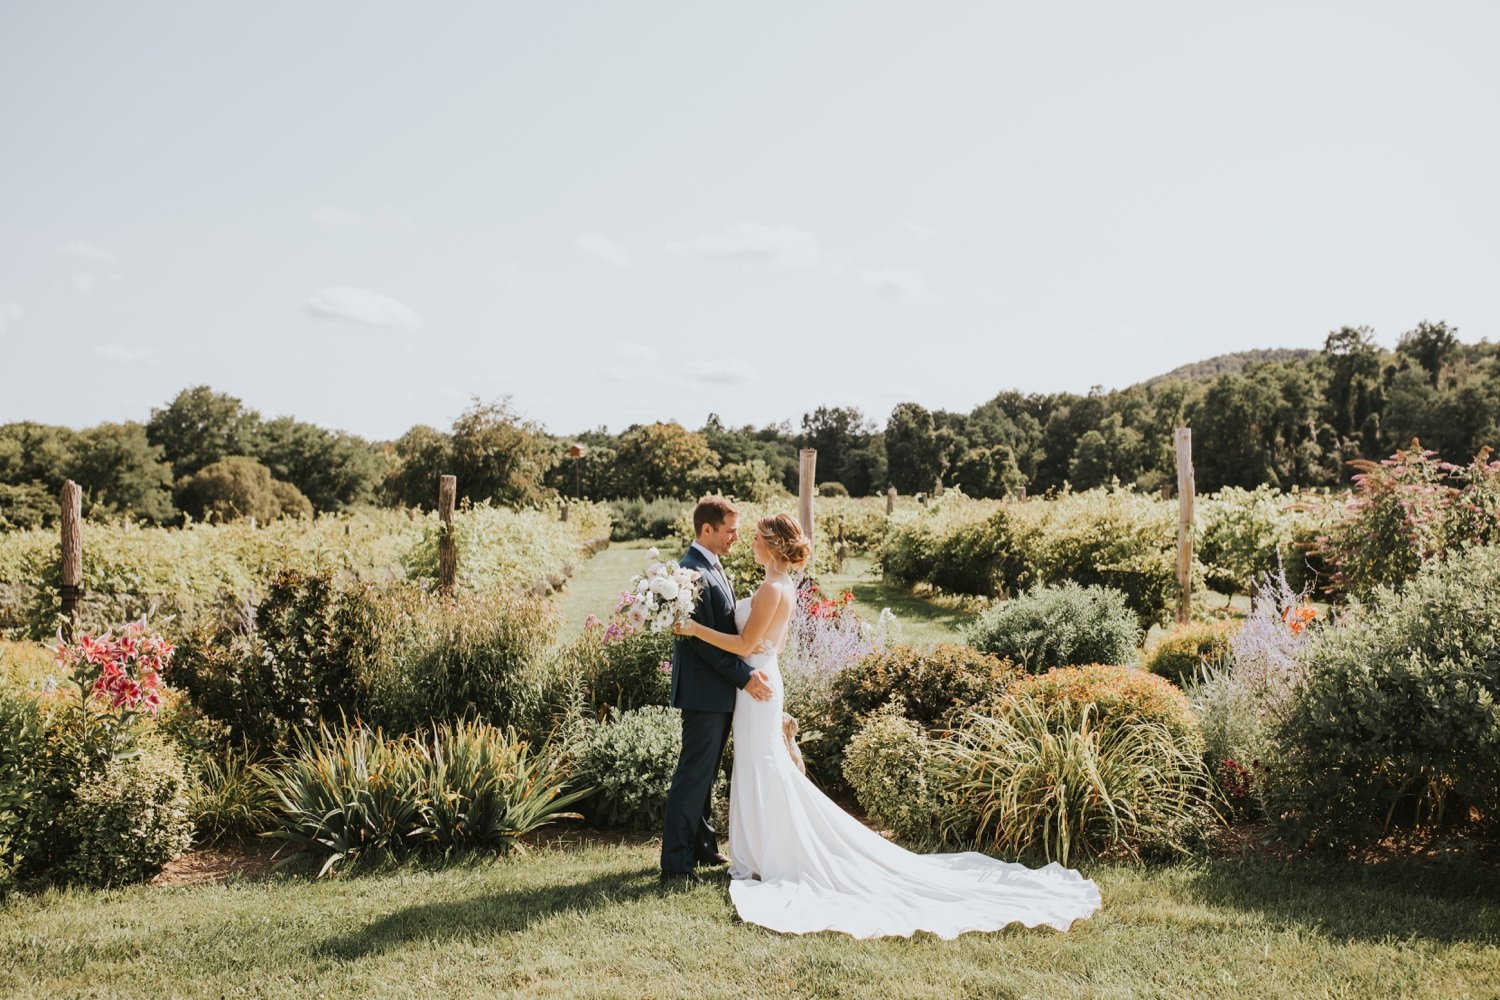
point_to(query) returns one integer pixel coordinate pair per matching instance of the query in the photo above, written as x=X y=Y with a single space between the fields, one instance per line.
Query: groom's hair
x=711 y=510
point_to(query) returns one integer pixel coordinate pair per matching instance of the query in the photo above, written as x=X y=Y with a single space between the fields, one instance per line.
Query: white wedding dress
x=799 y=863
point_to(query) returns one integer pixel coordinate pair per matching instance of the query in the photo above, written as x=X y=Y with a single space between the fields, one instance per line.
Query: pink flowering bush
x=1407 y=510
x=118 y=678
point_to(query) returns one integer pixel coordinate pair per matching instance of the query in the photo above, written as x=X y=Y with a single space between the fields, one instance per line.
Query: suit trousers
x=688 y=835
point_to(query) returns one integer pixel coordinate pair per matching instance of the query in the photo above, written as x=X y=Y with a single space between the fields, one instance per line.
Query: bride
x=799 y=863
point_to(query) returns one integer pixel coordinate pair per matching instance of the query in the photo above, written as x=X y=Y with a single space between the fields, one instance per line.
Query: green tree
x=122 y=472
x=1109 y=451
x=988 y=472
x=238 y=487
x=663 y=459
x=917 y=454
x=332 y=469
x=500 y=457
x=422 y=454
x=200 y=426
x=1430 y=346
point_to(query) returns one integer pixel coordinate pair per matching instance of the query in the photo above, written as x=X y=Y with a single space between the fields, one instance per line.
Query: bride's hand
x=764 y=646
x=684 y=628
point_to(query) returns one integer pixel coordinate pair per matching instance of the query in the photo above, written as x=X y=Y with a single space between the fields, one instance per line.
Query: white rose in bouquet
x=659 y=598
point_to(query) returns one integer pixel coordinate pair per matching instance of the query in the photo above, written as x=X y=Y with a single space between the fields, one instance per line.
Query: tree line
x=1287 y=418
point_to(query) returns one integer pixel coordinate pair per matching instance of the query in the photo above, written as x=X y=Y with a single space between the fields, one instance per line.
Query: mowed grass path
x=592 y=922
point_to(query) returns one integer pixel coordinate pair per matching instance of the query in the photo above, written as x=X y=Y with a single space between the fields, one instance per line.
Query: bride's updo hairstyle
x=783 y=536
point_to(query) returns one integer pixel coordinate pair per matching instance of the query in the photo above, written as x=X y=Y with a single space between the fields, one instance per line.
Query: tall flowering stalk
x=827 y=635
x=117 y=677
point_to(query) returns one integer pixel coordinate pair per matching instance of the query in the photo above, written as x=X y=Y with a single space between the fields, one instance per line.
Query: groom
x=704 y=680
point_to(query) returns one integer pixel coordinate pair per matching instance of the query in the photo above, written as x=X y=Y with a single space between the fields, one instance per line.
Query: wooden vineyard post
x=806 y=476
x=448 y=545
x=1184 y=524
x=890 y=501
x=71 y=588
x=937 y=488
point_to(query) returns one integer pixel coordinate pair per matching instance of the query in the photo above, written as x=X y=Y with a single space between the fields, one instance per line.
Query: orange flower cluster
x=1298 y=619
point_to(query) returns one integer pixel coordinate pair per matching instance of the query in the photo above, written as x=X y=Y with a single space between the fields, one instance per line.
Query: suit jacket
x=704 y=677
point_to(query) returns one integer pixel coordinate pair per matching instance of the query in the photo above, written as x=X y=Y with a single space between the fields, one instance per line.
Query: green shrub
x=1406 y=511
x=1246 y=535
x=641 y=518
x=1108 y=538
x=504 y=549
x=24 y=803
x=1394 y=718
x=887 y=765
x=354 y=797
x=1181 y=654
x=629 y=762
x=930 y=685
x=627 y=673
x=235 y=798
x=1051 y=782
x=127 y=819
x=477 y=654
x=1059 y=626
x=1119 y=695
x=832 y=489
x=398 y=656
x=284 y=665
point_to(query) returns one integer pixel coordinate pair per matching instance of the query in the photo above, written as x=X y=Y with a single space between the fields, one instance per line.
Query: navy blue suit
x=704 y=681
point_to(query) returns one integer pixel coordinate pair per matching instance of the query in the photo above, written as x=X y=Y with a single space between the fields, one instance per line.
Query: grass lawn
x=591 y=922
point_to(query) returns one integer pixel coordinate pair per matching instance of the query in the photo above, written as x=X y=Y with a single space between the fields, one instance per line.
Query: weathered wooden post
x=806 y=476
x=447 y=544
x=890 y=501
x=1184 y=524
x=937 y=488
x=71 y=588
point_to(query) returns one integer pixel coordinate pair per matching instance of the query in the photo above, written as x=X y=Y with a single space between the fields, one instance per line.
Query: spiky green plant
x=356 y=797
x=485 y=789
x=1053 y=783
x=350 y=796
x=234 y=797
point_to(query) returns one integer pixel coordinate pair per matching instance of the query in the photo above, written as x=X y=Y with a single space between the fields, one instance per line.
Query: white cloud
x=332 y=217
x=899 y=283
x=359 y=305
x=631 y=362
x=87 y=251
x=919 y=232
x=126 y=355
x=723 y=371
x=83 y=282
x=753 y=242
x=598 y=246
x=10 y=312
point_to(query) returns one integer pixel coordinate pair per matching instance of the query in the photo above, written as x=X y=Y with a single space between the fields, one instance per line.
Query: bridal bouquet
x=660 y=597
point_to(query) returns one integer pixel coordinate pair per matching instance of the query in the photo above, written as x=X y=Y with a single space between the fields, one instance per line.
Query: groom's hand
x=758 y=686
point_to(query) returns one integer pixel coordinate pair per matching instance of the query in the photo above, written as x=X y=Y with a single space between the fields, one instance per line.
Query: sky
x=367 y=215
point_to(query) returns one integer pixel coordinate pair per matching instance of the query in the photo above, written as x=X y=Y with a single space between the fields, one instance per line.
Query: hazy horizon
x=366 y=215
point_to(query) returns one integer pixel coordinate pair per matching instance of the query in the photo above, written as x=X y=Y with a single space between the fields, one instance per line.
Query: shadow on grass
x=489 y=914
x=1350 y=901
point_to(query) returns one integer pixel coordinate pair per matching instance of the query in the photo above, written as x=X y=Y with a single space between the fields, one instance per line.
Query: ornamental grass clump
x=1054 y=782
x=355 y=797
x=234 y=799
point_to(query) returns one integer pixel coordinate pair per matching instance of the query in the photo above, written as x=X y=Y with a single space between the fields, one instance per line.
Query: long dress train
x=799 y=863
